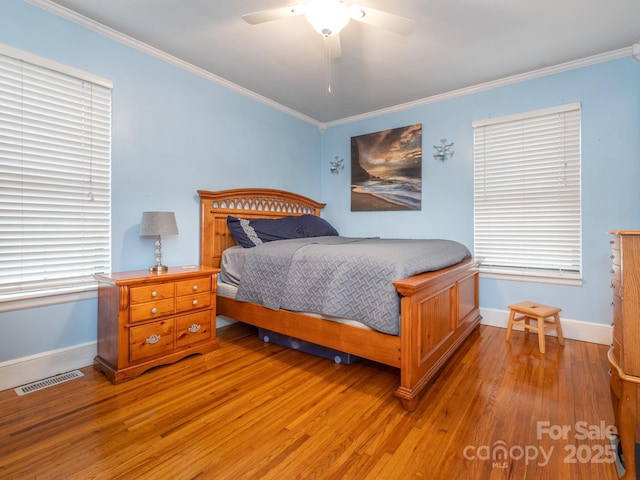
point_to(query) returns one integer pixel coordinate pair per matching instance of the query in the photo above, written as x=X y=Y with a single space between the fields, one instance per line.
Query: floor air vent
x=48 y=382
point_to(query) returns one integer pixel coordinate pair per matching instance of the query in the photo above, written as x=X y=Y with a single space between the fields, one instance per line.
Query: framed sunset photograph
x=386 y=170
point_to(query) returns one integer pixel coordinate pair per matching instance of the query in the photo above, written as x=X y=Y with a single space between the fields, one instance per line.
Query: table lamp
x=158 y=224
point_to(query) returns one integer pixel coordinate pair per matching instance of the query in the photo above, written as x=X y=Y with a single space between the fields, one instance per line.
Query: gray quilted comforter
x=340 y=276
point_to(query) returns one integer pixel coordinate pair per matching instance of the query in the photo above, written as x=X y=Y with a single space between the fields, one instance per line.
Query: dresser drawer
x=195 y=285
x=193 y=328
x=615 y=247
x=618 y=352
x=618 y=327
x=616 y=275
x=151 y=340
x=151 y=310
x=614 y=382
x=616 y=288
x=193 y=302
x=150 y=293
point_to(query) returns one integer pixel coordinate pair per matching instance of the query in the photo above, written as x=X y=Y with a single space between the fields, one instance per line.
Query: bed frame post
x=207 y=255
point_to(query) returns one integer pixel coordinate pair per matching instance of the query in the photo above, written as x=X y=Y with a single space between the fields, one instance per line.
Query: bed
x=438 y=309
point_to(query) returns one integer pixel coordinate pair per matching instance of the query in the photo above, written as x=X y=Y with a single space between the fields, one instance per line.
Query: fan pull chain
x=327 y=70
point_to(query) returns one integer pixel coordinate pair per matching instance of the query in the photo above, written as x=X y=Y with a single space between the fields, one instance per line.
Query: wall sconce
x=157 y=224
x=443 y=150
x=336 y=165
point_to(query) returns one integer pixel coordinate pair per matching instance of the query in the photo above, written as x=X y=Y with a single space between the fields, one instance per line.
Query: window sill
x=47 y=298
x=550 y=278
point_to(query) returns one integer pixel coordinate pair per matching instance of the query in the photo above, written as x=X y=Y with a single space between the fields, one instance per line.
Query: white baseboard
x=14 y=373
x=21 y=371
x=573 y=329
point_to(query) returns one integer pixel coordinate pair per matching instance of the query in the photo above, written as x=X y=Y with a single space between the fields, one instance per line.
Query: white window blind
x=527 y=213
x=55 y=175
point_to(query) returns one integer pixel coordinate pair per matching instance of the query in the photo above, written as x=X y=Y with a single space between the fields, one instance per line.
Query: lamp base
x=158 y=268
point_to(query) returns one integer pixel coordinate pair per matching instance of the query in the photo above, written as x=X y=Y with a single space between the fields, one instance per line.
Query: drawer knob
x=195 y=288
x=154 y=310
x=194 y=328
x=154 y=294
x=153 y=339
x=195 y=302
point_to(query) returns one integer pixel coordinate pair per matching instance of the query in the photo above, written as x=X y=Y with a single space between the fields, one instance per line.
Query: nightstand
x=148 y=319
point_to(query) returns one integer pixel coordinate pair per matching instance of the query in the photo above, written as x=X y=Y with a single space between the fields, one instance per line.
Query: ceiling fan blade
x=273 y=14
x=332 y=46
x=378 y=18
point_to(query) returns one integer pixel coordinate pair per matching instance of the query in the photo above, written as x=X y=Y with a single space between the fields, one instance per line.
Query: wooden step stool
x=546 y=318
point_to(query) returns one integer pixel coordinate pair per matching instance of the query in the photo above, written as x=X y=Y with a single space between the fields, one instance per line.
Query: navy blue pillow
x=313 y=226
x=249 y=233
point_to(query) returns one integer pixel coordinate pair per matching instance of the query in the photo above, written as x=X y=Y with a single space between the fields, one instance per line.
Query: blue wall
x=610 y=97
x=175 y=132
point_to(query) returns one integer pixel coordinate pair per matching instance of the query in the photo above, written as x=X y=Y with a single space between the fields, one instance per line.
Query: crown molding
x=543 y=72
x=161 y=55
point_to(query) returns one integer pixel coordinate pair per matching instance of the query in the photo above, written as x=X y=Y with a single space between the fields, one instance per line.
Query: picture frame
x=386 y=170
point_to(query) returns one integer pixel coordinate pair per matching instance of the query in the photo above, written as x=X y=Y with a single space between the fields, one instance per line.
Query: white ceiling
x=455 y=44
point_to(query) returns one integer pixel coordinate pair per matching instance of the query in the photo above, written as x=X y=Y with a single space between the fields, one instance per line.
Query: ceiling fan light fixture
x=327 y=17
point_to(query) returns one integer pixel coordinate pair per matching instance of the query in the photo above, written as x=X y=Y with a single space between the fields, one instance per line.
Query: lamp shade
x=158 y=223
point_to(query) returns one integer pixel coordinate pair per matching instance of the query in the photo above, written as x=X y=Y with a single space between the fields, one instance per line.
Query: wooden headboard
x=243 y=203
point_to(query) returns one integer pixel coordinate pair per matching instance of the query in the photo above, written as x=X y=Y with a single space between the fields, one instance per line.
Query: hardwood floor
x=252 y=410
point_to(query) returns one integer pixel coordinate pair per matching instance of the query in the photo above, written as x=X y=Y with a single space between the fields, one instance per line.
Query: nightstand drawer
x=195 y=285
x=193 y=302
x=151 y=310
x=192 y=329
x=151 y=340
x=151 y=293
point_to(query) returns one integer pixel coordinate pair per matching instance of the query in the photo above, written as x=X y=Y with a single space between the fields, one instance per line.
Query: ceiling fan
x=329 y=17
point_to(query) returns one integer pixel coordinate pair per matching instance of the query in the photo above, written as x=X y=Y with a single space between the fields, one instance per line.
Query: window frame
x=65 y=292
x=491 y=220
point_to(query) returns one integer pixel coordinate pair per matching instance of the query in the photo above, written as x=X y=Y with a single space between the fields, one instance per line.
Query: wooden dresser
x=624 y=355
x=148 y=319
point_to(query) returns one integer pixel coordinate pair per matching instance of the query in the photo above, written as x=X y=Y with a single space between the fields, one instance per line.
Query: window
x=527 y=215
x=55 y=175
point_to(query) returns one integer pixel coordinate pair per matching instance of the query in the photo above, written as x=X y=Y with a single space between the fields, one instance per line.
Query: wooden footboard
x=438 y=309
